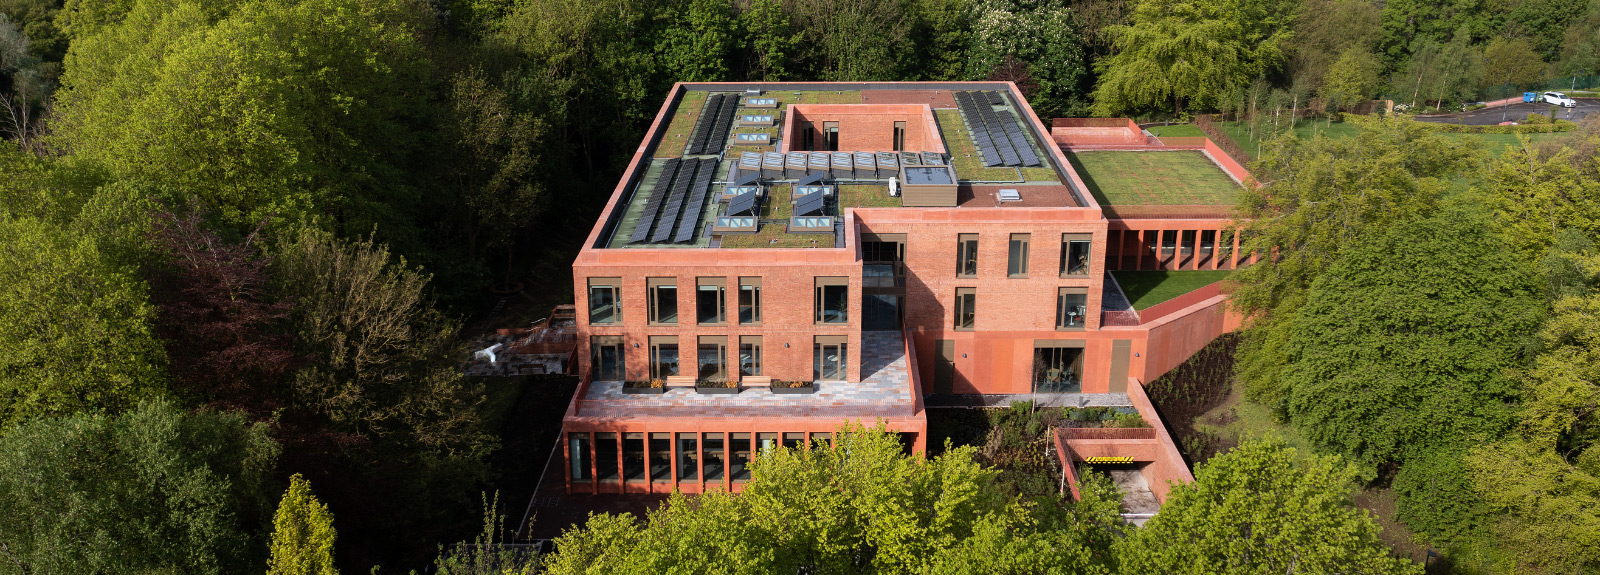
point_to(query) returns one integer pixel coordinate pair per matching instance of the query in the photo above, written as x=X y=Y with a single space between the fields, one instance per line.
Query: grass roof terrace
x=1156 y=183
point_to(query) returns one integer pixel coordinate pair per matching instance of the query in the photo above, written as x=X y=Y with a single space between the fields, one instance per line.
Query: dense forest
x=239 y=238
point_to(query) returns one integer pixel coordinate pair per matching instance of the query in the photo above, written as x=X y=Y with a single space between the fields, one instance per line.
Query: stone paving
x=885 y=390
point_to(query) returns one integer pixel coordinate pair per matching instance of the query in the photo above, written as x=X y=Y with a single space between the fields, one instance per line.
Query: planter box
x=644 y=390
x=795 y=390
x=717 y=390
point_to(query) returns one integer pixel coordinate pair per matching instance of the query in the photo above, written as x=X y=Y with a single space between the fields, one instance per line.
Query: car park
x=1559 y=99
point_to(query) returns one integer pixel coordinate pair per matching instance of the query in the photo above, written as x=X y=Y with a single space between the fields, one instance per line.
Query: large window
x=663 y=356
x=688 y=457
x=966 y=315
x=605 y=300
x=899 y=136
x=1075 y=254
x=749 y=301
x=712 y=450
x=713 y=354
x=633 y=456
x=1017 y=258
x=710 y=298
x=833 y=300
x=829 y=360
x=739 y=457
x=749 y=355
x=830 y=135
x=663 y=300
x=1057 y=366
x=767 y=441
x=607 y=358
x=661 y=457
x=605 y=457
x=966 y=255
x=578 y=456
x=1072 y=305
x=794 y=440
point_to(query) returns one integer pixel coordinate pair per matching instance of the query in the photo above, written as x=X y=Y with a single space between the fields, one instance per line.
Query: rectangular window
x=1057 y=366
x=767 y=441
x=688 y=457
x=661 y=457
x=749 y=301
x=829 y=358
x=633 y=457
x=749 y=355
x=710 y=298
x=663 y=356
x=966 y=314
x=821 y=439
x=966 y=255
x=578 y=456
x=899 y=136
x=1072 y=305
x=1075 y=254
x=712 y=450
x=605 y=457
x=605 y=300
x=833 y=300
x=808 y=140
x=713 y=354
x=880 y=252
x=830 y=135
x=663 y=300
x=794 y=440
x=739 y=457
x=607 y=363
x=1017 y=261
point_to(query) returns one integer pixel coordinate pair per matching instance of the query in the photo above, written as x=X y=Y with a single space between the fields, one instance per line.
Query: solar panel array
x=811 y=204
x=743 y=204
x=997 y=135
x=710 y=133
x=672 y=212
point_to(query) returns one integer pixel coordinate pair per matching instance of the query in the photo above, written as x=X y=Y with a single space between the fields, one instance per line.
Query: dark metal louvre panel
x=842 y=167
x=718 y=139
x=702 y=125
x=652 y=206
x=817 y=162
x=673 y=209
x=697 y=200
x=811 y=204
x=1018 y=140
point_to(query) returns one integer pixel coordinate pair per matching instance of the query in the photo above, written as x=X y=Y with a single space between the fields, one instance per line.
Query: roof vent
x=752 y=92
x=1010 y=195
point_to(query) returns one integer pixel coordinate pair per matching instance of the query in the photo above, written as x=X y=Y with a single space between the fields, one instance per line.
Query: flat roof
x=1156 y=183
x=701 y=123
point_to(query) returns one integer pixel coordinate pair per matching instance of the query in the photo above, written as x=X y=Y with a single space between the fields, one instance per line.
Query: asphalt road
x=1516 y=113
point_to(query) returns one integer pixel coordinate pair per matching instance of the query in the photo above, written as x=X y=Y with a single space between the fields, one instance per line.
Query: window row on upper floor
x=831 y=301
x=1074 y=258
x=1072 y=308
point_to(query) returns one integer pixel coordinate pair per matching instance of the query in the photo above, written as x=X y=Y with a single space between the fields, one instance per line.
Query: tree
x=1324 y=31
x=770 y=41
x=1535 y=195
x=1351 y=80
x=1580 y=46
x=25 y=86
x=1262 y=508
x=1512 y=62
x=491 y=164
x=1169 y=54
x=295 y=107
x=855 y=40
x=154 y=490
x=1321 y=196
x=856 y=506
x=1009 y=32
x=945 y=30
x=76 y=330
x=697 y=42
x=302 y=533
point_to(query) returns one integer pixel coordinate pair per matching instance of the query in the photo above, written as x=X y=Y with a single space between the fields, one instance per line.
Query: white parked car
x=1559 y=99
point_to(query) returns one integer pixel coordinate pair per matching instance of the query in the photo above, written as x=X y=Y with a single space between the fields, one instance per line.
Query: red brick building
x=780 y=259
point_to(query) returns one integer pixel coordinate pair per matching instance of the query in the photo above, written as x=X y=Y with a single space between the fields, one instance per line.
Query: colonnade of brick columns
x=1147 y=249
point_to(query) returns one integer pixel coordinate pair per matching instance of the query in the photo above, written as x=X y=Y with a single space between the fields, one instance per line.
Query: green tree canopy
x=1190 y=54
x=1534 y=193
x=856 y=506
x=1513 y=62
x=1015 y=30
x=1351 y=79
x=302 y=533
x=1262 y=508
x=697 y=43
x=153 y=490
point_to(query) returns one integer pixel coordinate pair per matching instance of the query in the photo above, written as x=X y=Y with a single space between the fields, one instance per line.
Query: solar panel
x=810 y=204
x=703 y=124
x=748 y=176
x=697 y=200
x=743 y=204
x=811 y=178
x=673 y=209
x=1018 y=141
x=718 y=138
x=652 y=206
x=996 y=98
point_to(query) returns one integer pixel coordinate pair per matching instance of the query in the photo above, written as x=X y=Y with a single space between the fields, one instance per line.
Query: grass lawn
x=776 y=205
x=776 y=235
x=677 y=136
x=1495 y=144
x=1178 y=131
x=865 y=196
x=1145 y=289
x=1179 y=177
x=964 y=155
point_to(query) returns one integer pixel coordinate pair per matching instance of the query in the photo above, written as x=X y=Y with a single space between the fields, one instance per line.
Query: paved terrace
x=885 y=391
